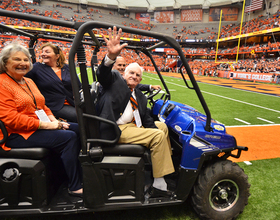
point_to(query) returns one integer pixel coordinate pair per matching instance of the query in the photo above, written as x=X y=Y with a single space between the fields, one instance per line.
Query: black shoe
x=156 y=193
x=71 y=193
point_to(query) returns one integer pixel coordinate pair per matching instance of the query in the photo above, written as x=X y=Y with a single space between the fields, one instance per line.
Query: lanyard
x=33 y=97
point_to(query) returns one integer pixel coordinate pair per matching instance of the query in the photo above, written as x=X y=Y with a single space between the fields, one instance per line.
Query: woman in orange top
x=53 y=80
x=29 y=122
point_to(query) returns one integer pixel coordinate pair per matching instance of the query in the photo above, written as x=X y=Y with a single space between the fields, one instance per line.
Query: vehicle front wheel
x=221 y=191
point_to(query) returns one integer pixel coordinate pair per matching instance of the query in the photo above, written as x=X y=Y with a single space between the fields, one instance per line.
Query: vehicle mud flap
x=186 y=182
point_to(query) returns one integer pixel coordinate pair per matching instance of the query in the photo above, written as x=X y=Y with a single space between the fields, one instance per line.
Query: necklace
x=24 y=82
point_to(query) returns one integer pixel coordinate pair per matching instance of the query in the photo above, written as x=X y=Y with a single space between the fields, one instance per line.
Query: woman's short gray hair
x=6 y=54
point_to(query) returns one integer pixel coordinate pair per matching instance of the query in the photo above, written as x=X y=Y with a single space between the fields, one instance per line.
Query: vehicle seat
x=25 y=153
x=125 y=150
x=21 y=153
x=131 y=150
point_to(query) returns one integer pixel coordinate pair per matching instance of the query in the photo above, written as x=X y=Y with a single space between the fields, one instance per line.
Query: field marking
x=226 y=87
x=244 y=90
x=245 y=122
x=247 y=103
x=262 y=119
x=237 y=126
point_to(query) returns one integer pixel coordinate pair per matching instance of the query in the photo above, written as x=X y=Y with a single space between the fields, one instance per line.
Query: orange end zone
x=262 y=141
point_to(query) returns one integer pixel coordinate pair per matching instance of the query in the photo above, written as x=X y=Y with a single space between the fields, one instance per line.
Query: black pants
x=67 y=112
x=65 y=142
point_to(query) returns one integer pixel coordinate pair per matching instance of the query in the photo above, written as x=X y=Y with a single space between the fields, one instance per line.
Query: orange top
x=17 y=107
x=58 y=73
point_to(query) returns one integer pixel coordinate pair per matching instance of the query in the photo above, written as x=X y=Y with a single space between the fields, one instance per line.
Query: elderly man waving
x=120 y=101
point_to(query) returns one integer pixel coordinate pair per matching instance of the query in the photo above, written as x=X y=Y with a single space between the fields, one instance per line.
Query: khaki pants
x=157 y=140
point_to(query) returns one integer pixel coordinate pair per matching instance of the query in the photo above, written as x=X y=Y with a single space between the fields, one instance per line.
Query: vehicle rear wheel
x=221 y=191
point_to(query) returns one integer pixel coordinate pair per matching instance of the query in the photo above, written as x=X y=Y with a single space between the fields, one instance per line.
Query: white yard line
x=262 y=119
x=241 y=89
x=237 y=126
x=246 y=103
x=245 y=122
x=230 y=88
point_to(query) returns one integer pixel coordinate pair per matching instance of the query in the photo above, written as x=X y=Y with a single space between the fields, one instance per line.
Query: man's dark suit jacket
x=113 y=100
x=54 y=90
x=143 y=87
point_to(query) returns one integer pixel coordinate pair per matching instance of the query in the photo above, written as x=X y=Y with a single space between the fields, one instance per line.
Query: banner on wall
x=191 y=15
x=164 y=17
x=144 y=17
x=250 y=76
x=229 y=14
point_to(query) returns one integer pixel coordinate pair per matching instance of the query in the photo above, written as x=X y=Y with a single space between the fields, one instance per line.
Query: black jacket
x=52 y=88
x=113 y=100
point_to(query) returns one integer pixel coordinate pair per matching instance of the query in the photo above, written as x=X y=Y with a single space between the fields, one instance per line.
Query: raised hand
x=113 y=43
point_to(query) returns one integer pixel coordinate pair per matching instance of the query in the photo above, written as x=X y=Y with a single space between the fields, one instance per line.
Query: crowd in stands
x=232 y=29
x=198 y=66
x=203 y=67
x=257 y=24
x=185 y=33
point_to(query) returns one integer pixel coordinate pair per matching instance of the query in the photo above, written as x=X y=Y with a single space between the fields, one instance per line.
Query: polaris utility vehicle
x=115 y=176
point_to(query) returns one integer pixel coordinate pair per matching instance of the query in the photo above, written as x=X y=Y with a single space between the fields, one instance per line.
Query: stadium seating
x=183 y=31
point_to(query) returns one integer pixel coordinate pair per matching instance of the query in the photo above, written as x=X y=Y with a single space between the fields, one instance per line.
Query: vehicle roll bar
x=87 y=27
x=162 y=37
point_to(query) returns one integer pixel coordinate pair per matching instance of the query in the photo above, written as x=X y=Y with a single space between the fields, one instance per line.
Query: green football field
x=226 y=104
x=230 y=107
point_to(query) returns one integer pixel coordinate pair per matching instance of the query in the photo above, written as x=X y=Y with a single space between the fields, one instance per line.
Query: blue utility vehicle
x=115 y=176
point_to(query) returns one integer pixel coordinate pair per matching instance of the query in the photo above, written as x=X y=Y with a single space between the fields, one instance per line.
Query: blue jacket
x=53 y=89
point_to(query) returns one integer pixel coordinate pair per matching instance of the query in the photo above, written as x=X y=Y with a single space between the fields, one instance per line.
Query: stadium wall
x=70 y=3
x=271 y=8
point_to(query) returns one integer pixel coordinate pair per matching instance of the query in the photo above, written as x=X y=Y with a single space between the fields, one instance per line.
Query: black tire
x=221 y=191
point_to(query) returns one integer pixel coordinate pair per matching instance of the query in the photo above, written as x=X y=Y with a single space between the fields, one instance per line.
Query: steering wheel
x=151 y=94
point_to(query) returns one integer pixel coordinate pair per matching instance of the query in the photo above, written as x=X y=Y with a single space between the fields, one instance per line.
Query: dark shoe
x=156 y=193
x=71 y=193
